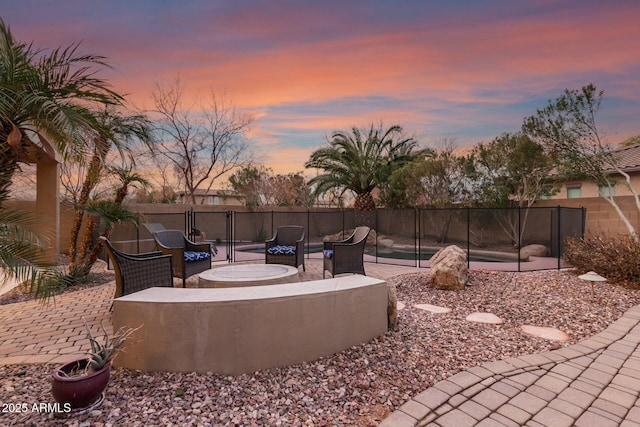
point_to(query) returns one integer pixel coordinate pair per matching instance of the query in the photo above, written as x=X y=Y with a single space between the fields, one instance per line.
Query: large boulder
x=448 y=269
x=533 y=250
x=384 y=242
x=371 y=238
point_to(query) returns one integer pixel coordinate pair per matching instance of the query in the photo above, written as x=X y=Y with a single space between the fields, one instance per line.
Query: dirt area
x=21 y=293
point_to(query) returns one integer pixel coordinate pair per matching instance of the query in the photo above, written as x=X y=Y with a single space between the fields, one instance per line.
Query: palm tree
x=47 y=100
x=124 y=130
x=108 y=213
x=361 y=161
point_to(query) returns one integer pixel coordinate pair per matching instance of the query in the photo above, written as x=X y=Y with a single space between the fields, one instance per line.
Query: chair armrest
x=143 y=258
x=162 y=246
x=157 y=260
x=198 y=247
x=147 y=254
x=214 y=247
x=178 y=253
x=337 y=242
x=343 y=245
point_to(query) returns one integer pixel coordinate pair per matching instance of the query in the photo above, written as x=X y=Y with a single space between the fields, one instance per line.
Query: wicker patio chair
x=188 y=257
x=135 y=272
x=346 y=256
x=152 y=227
x=286 y=247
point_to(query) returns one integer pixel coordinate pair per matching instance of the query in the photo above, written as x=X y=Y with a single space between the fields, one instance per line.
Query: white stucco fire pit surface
x=247 y=275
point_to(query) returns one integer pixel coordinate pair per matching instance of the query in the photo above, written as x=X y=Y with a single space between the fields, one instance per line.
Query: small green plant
x=262 y=235
x=613 y=257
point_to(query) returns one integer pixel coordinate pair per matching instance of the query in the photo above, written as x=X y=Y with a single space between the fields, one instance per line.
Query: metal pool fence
x=496 y=239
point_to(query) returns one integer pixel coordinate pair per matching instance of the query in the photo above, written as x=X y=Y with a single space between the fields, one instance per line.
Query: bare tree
x=202 y=141
x=262 y=187
x=567 y=129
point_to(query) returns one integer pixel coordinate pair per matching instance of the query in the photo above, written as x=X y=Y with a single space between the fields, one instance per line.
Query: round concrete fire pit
x=248 y=275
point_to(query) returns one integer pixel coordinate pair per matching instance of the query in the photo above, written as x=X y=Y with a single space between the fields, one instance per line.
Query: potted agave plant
x=80 y=384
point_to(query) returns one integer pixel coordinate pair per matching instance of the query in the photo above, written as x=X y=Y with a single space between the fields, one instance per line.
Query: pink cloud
x=441 y=69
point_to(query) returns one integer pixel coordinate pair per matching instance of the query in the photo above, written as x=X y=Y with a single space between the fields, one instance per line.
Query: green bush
x=617 y=258
x=262 y=235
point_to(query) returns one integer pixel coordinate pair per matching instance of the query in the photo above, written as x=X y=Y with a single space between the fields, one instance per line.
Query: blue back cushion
x=190 y=256
x=282 y=250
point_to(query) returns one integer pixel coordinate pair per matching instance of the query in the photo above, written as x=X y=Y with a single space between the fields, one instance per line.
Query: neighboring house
x=213 y=198
x=629 y=162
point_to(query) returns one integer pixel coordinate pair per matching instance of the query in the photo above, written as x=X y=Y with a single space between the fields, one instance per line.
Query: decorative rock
x=546 y=333
x=400 y=306
x=448 y=269
x=533 y=250
x=484 y=318
x=371 y=239
x=433 y=308
x=392 y=306
x=385 y=243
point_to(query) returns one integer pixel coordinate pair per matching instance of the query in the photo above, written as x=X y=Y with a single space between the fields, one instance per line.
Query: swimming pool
x=398 y=252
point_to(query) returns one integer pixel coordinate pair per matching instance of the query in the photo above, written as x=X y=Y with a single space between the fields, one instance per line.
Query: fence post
x=468 y=237
x=377 y=231
x=559 y=236
x=308 y=230
x=229 y=236
x=419 y=237
x=519 y=237
x=416 y=250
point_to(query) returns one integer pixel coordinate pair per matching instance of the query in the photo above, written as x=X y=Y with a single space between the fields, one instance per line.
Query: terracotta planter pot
x=80 y=391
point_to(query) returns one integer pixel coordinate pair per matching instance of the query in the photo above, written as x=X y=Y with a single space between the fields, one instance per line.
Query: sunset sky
x=462 y=70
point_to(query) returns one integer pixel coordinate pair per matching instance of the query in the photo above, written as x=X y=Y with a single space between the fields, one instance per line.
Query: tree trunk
x=87 y=246
x=8 y=166
x=623 y=217
x=90 y=181
x=121 y=193
x=365 y=210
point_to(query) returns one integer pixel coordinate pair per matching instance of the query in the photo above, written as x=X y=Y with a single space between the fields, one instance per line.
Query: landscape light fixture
x=592 y=277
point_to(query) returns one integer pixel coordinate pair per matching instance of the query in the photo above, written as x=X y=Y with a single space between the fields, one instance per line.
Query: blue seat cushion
x=282 y=250
x=190 y=256
x=328 y=253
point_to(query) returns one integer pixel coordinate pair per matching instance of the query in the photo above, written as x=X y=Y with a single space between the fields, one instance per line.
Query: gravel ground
x=359 y=386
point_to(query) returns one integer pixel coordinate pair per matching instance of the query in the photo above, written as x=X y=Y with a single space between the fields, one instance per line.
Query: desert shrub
x=615 y=257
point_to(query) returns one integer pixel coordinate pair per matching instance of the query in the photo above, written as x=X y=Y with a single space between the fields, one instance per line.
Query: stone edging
x=463 y=386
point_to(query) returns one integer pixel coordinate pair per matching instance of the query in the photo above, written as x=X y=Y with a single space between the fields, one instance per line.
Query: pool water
x=402 y=253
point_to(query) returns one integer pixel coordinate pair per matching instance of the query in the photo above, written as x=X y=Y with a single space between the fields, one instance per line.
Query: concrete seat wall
x=239 y=330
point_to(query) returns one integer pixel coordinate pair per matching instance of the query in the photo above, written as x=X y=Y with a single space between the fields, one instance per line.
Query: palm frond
x=111 y=213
